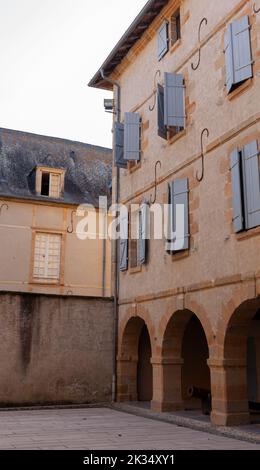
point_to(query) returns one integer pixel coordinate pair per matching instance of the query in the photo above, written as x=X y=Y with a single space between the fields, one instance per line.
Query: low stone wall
x=55 y=349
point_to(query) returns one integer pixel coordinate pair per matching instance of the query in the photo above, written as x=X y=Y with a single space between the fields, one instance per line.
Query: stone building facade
x=189 y=317
x=56 y=312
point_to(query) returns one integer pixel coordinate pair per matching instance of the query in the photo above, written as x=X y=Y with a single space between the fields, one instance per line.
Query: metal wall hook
x=204 y=20
x=158 y=73
x=71 y=228
x=205 y=131
x=153 y=200
x=255 y=9
x=2 y=206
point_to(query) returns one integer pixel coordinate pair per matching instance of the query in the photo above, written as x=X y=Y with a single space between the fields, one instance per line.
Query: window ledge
x=240 y=89
x=178 y=136
x=175 y=46
x=134 y=168
x=47 y=283
x=253 y=232
x=135 y=270
x=180 y=255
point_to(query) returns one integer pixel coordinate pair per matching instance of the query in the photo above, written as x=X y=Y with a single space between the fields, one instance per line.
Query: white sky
x=49 y=50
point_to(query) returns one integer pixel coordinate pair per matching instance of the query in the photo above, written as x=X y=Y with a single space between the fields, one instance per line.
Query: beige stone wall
x=219 y=275
x=81 y=261
x=55 y=350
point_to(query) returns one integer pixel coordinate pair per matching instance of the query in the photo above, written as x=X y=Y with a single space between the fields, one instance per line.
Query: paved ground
x=101 y=428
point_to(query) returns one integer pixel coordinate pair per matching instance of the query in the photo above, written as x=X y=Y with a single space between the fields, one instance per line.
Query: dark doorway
x=144 y=369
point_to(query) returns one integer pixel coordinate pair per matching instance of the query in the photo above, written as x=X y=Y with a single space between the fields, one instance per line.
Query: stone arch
x=134 y=352
x=168 y=395
x=230 y=364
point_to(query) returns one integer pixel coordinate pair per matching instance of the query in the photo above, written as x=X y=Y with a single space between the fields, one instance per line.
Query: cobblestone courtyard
x=102 y=428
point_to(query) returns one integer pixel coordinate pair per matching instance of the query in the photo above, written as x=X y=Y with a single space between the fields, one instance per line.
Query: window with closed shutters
x=47 y=257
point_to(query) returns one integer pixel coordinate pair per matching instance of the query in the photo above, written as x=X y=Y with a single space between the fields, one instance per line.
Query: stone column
x=167 y=394
x=229 y=392
x=127 y=378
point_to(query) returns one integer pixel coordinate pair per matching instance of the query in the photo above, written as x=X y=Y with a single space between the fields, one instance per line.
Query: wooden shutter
x=229 y=56
x=162 y=129
x=47 y=257
x=238 y=219
x=238 y=53
x=119 y=145
x=179 y=216
x=163 y=40
x=123 y=251
x=55 y=183
x=242 y=50
x=132 y=137
x=143 y=232
x=251 y=179
x=174 y=100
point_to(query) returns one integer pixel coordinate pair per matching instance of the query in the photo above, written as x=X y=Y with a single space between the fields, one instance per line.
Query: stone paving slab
x=103 y=428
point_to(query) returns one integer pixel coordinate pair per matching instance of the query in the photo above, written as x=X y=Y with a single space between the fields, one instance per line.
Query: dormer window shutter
x=174 y=100
x=179 y=198
x=163 y=40
x=132 y=137
x=238 y=53
x=162 y=129
x=123 y=246
x=236 y=177
x=251 y=181
x=119 y=145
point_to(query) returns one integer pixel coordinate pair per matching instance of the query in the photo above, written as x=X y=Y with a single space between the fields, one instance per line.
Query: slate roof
x=88 y=167
x=135 y=31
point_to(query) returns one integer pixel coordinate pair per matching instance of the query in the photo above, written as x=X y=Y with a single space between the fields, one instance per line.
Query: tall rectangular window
x=175 y=27
x=51 y=185
x=47 y=257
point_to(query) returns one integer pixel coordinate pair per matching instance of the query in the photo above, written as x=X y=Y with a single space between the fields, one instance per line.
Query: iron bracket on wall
x=205 y=131
x=255 y=9
x=157 y=74
x=204 y=20
x=71 y=228
x=2 y=206
x=153 y=200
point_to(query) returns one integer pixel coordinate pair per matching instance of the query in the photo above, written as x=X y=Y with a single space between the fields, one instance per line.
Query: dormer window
x=49 y=182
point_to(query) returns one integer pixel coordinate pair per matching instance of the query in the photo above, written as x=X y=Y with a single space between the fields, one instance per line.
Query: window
x=238 y=53
x=245 y=174
x=163 y=40
x=171 y=105
x=127 y=139
x=50 y=185
x=175 y=27
x=134 y=239
x=178 y=238
x=47 y=256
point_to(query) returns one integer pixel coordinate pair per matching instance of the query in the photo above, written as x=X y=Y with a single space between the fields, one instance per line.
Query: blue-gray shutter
x=143 y=232
x=242 y=49
x=179 y=195
x=174 y=100
x=163 y=40
x=119 y=145
x=251 y=178
x=123 y=251
x=238 y=53
x=238 y=219
x=229 y=56
x=132 y=136
x=162 y=129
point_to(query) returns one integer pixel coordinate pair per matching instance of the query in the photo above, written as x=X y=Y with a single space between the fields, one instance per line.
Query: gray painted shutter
x=132 y=137
x=251 y=177
x=163 y=40
x=229 y=56
x=238 y=219
x=119 y=145
x=162 y=129
x=143 y=232
x=123 y=255
x=242 y=50
x=174 y=108
x=179 y=195
x=251 y=370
